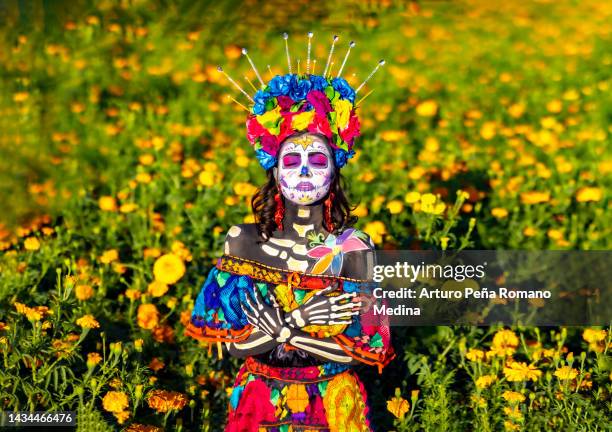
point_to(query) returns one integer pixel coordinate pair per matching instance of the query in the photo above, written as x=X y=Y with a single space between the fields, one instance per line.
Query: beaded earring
x=280 y=211
x=329 y=224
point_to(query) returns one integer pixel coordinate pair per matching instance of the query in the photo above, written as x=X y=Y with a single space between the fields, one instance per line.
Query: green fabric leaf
x=274 y=395
x=322 y=387
x=222 y=278
x=376 y=341
x=299 y=296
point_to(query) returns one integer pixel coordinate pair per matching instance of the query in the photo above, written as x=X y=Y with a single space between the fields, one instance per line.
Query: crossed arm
x=272 y=327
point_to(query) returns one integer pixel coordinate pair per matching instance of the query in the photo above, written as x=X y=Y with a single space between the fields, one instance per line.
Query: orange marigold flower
x=84 y=292
x=157 y=288
x=148 y=316
x=115 y=401
x=88 y=322
x=107 y=203
x=398 y=406
x=93 y=359
x=163 y=401
x=109 y=256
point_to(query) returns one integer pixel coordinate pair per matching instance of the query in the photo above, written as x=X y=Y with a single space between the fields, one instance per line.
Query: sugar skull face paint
x=305 y=169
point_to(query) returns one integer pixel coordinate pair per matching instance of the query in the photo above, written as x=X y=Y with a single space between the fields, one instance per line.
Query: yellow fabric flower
x=88 y=322
x=342 y=107
x=115 y=401
x=168 y=269
x=301 y=121
x=269 y=118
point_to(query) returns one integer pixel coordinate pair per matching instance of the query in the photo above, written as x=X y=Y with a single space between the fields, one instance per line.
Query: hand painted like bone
x=323 y=310
x=268 y=319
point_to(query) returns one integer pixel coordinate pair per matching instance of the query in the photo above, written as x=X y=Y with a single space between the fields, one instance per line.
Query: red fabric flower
x=285 y=127
x=320 y=124
x=351 y=131
x=254 y=407
x=285 y=102
x=319 y=101
x=270 y=144
x=254 y=129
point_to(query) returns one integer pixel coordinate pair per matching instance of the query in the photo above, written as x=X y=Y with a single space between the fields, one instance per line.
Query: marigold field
x=124 y=163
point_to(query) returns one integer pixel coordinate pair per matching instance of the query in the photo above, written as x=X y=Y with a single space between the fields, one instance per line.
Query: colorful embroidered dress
x=323 y=397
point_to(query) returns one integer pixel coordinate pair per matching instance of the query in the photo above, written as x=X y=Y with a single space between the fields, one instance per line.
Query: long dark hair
x=263 y=204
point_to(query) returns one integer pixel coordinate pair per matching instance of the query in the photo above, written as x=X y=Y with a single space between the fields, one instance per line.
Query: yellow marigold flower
x=146 y=159
x=594 y=335
x=301 y=121
x=428 y=199
x=31 y=244
x=554 y=234
x=109 y=256
x=163 y=401
x=499 y=212
x=138 y=343
x=360 y=211
x=206 y=178
x=427 y=108
x=488 y=130
x=137 y=427
x=513 y=397
x=412 y=197
x=509 y=426
x=520 y=371
x=587 y=194
x=128 y=207
x=398 y=406
x=529 y=232
x=535 y=197
x=244 y=189
x=485 y=381
x=243 y=161
x=554 y=106
x=88 y=322
x=115 y=401
x=157 y=288
x=168 y=269
x=107 y=203
x=93 y=359
x=504 y=342
x=376 y=230
x=566 y=373
x=4 y=326
x=122 y=416
x=392 y=135
x=516 y=110
x=84 y=292
x=148 y=316
x=479 y=401
x=513 y=413
x=474 y=354
x=132 y=294
x=395 y=206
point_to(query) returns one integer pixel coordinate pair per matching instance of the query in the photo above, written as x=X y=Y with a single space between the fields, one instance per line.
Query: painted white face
x=305 y=169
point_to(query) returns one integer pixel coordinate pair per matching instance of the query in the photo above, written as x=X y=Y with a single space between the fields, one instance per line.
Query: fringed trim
x=379 y=360
x=209 y=334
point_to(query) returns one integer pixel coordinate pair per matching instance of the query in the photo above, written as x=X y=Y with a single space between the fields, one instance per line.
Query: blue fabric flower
x=345 y=90
x=280 y=85
x=318 y=82
x=299 y=90
x=342 y=156
x=266 y=160
x=260 y=99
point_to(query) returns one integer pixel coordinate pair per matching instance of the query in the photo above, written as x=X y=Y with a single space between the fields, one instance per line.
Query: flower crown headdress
x=294 y=103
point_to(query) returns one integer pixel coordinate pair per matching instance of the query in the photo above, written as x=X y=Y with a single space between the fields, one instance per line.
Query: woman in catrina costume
x=292 y=292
